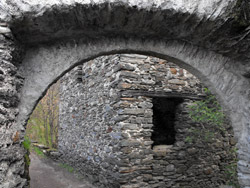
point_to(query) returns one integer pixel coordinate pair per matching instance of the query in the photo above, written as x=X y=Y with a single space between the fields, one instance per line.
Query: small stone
x=147 y=177
x=129 y=74
x=133 y=111
x=148 y=143
x=176 y=81
x=181 y=73
x=181 y=169
x=126 y=150
x=208 y=171
x=129 y=126
x=124 y=86
x=233 y=141
x=192 y=151
x=125 y=104
x=126 y=170
x=16 y=137
x=55 y=154
x=4 y=30
x=147 y=126
x=173 y=70
x=129 y=99
x=132 y=143
x=170 y=168
x=226 y=186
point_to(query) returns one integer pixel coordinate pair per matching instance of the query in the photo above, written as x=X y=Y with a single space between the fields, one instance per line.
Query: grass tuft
x=38 y=151
x=67 y=167
x=26 y=143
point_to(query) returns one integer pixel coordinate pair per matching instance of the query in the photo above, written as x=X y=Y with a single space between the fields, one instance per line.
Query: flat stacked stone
x=106 y=125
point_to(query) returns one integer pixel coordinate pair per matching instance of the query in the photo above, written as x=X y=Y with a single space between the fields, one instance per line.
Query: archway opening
x=107 y=115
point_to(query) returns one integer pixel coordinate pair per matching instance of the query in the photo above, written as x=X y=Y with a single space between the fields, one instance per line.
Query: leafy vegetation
x=231 y=171
x=208 y=113
x=29 y=147
x=27 y=143
x=42 y=126
x=67 y=167
x=38 y=151
x=27 y=159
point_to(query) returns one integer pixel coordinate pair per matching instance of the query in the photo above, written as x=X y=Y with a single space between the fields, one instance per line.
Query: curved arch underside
x=43 y=66
x=208 y=38
x=217 y=25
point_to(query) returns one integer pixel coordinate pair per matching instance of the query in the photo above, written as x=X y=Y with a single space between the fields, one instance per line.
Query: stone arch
x=44 y=65
x=212 y=43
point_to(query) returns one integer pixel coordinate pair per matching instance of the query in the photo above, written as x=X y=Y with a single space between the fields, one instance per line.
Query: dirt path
x=45 y=173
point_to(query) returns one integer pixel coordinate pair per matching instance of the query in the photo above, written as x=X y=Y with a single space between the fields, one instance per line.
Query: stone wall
x=106 y=126
x=219 y=56
x=12 y=163
x=201 y=156
x=88 y=135
x=155 y=75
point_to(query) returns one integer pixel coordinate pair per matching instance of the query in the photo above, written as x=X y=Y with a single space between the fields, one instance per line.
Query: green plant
x=234 y=150
x=43 y=123
x=231 y=170
x=68 y=167
x=209 y=135
x=189 y=139
x=28 y=146
x=38 y=151
x=26 y=143
x=27 y=160
x=207 y=111
x=197 y=133
x=209 y=115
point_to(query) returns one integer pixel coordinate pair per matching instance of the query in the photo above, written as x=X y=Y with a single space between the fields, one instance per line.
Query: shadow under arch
x=44 y=65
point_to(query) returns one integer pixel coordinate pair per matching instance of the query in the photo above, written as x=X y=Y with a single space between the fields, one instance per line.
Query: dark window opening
x=164 y=110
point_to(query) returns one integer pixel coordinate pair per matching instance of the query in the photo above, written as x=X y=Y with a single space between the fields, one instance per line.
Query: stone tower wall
x=88 y=135
x=106 y=125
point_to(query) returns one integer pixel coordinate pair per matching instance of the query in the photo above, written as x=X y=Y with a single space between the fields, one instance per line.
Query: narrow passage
x=45 y=173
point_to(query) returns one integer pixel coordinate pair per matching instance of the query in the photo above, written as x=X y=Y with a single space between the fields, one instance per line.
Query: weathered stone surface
x=115 y=136
x=13 y=171
x=58 y=35
x=226 y=186
x=109 y=17
x=88 y=133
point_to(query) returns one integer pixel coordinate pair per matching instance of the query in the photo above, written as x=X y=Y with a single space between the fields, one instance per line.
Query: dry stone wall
x=201 y=161
x=58 y=34
x=201 y=156
x=12 y=163
x=88 y=135
x=155 y=75
x=107 y=123
x=215 y=49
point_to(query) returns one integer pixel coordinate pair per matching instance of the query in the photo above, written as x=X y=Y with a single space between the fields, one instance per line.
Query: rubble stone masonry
x=108 y=126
